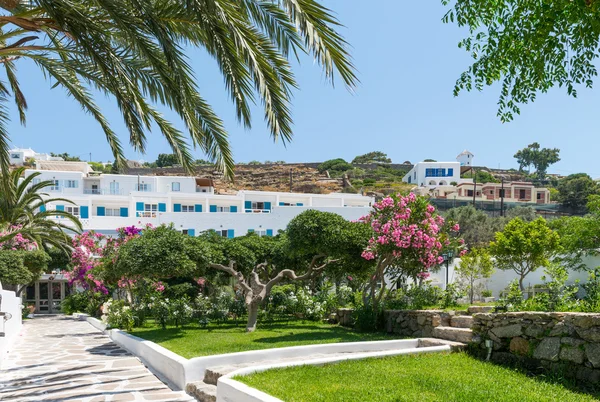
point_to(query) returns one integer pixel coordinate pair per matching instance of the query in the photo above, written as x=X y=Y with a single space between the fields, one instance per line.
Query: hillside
x=306 y=178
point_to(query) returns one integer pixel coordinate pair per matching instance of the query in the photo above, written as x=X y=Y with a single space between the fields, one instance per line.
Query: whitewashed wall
x=10 y=304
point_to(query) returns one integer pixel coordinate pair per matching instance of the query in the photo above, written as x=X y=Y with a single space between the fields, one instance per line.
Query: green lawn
x=428 y=377
x=194 y=341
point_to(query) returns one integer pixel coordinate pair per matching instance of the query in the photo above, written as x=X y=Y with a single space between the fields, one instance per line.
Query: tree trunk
x=252 y=316
x=472 y=292
x=521 y=278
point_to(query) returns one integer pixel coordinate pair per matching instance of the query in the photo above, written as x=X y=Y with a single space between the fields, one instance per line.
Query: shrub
x=117 y=314
x=513 y=299
x=181 y=311
x=95 y=302
x=345 y=296
x=308 y=306
x=486 y=293
x=366 y=319
x=160 y=310
x=369 y=182
x=75 y=303
x=423 y=296
x=591 y=301
x=451 y=295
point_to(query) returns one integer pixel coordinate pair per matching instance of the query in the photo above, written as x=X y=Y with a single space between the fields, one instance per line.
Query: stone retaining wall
x=418 y=323
x=568 y=340
x=344 y=317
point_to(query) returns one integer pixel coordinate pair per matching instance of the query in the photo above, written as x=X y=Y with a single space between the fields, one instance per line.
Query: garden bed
x=194 y=341
x=429 y=377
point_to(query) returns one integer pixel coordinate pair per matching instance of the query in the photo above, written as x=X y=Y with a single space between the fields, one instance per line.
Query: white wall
x=11 y=304
x=424 y=181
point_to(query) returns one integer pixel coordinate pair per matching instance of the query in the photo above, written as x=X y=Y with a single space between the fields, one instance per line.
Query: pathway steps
x=62 y=359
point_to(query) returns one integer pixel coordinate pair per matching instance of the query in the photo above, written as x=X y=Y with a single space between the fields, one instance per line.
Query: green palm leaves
x=22 y=211
x=134 y=52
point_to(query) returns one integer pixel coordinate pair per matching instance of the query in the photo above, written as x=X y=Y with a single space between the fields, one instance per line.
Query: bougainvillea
x=409 y=239
x=16 y=242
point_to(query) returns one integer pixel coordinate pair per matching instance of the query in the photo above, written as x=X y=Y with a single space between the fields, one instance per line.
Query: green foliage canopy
x=372 y=157
x=527 y=46
x=540 y=158
x=574 y=191
x=21 y=267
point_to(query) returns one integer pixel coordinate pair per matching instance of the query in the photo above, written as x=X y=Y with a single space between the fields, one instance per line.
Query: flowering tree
x=409 y=239
x=88 y=247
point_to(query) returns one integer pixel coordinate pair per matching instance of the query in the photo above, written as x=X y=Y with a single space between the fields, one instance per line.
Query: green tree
x=312 y=241
x=527 y=46
x=540 y=158
x=66 y=157
x=475 y=266
x=159 y=253
x=135 y=52
x=165 y=160
x=575 y=190
x=476 y=227
x=372 y=157
x=335 y=165
x=22 y=211
x=525 y=246
x=21 y=267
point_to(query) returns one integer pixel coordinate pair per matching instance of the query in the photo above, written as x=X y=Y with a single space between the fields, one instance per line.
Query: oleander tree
x=527 y=46
x=311 y=243
x=21 y=261
x=135 y=52
x=525 y=246
x=409 y=239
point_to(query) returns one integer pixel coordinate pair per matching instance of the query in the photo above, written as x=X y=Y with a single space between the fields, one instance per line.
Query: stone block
x=548 y=349
x=588 y=375
x=519 y=346
x=571 y=341
x=461 y=321
x=572 y=354
x=480 y=309
x=436 y=320
x=592 y=351
x=463 y=335
x=586 y=321
x=534 y=331
x=508 y=331
x=421 y=319
x=561 y=329
x=590 y=335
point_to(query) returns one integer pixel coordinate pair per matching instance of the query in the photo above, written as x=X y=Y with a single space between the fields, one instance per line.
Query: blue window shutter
x=191 y=232
x=139 y=206
x=299 y=204
x=250 y=230
x=450 y=172
x=176 y=207
x=281 y=204
x=100 y=211
x=162 y=207
x=269 y=232
x=248 y=205
x=198 y=208
x=85 y=214
x=42 y=208
x=233 y=208
x=213 y=208
x=124 y=212
x=230 y=233
x=60 y=207
x=268 y=205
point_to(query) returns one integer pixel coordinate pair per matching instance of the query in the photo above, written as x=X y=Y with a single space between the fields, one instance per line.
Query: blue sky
x=407 y=60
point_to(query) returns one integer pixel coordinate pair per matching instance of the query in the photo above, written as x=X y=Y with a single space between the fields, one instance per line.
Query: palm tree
x=134 y=51
x=22 y=211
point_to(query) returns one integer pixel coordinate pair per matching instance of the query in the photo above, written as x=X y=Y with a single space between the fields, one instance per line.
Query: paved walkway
x=61 y=359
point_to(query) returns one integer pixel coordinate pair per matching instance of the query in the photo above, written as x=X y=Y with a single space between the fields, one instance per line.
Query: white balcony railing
x=103 y=191
x=144 y=214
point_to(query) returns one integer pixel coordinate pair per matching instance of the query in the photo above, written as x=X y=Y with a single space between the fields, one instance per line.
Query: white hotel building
x=105 y=202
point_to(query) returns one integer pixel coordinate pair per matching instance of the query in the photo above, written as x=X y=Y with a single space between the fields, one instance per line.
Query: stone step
x=202 y=391
x=480 y=309
x=454 y=334
x=212 y=374
x=461 y=321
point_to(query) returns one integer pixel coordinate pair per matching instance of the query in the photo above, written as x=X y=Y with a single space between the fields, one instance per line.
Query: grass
x=194 y=341
x=423 y=378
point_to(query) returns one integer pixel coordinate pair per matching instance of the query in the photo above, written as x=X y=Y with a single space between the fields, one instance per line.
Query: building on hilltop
x=433 y=174
x=516 y=192
x=465 y=158
x=19 y=156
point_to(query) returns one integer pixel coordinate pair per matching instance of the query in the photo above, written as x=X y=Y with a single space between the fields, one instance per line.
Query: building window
x=72 y=210
x=222 y=233
x=187 y=208
x=55 y=185
x=521 y=194
x=223 y=209
x=184 y=231
x=145 y=187
x=71 y=184
x=35 y=181
x=469 y=193
x=112 y=212
x=258 y=205
x=539 y=196
x=435 y=172
x=15 y=156
x=450 y=172
x=261 y=232
x=175 y=186
x=502 y=193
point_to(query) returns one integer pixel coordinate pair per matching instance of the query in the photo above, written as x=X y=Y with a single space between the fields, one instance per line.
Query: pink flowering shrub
x=16 y=242
x=409 y=238
x=87 y=250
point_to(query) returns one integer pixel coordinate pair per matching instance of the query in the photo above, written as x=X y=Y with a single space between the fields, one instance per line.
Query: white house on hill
x=18 y=156
x=431 y=174
x=465 y=158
